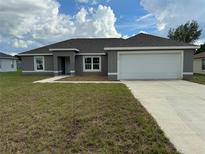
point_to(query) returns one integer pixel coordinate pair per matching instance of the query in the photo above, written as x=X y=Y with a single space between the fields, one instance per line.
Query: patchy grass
x=198 y=78
x=86 y=78
x=74 y=118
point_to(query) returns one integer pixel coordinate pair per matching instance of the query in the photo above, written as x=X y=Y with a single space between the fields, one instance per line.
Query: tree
x=201 y=49
x=188 y=32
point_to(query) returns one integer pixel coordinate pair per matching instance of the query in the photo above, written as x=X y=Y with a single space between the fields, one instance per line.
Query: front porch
x=64 y=62
x=63 y=66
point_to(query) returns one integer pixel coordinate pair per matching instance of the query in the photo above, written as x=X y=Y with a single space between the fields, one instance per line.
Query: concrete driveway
x=179 y=109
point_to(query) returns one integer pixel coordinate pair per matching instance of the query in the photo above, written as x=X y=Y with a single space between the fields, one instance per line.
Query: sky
x=28 y=24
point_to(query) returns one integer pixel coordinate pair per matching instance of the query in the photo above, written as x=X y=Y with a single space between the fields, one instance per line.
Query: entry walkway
x=57 y=78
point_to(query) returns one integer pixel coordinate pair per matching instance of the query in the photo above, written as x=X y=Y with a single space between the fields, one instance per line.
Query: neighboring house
x=199 y=63
x=7 y=63
x=139 y=57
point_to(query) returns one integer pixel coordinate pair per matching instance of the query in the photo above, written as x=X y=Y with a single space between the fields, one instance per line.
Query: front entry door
x=63 y=65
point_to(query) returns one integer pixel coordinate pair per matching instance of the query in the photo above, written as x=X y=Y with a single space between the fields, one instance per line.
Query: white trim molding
x=188 y=73
x=47 y=71
x=51 y=54
x=112 y=73
x=57 y=71
x=36 y=54
x=64 y=49
x=90 y=54
x=72 y=71
x=151 y=48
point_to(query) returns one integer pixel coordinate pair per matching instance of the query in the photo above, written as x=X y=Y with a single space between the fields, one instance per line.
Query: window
x=92 y=64
x=12 y=63
x=39 y=63
x=203 y=64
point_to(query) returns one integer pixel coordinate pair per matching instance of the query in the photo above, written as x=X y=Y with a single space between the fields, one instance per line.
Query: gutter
x=150 y=48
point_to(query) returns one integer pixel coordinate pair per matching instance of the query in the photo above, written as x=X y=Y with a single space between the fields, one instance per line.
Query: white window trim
x=92 y=70
x=35 y=65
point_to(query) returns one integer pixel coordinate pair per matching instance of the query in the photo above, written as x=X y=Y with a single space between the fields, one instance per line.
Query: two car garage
x=150 y=65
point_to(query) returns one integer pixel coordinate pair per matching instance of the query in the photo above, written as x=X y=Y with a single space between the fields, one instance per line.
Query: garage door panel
x=150 y=66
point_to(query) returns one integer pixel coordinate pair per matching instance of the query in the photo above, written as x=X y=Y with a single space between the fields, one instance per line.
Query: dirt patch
x=85 y=78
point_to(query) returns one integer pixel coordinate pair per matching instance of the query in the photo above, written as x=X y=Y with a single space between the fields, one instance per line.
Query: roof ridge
x=100 y=38
x=4 y=54
x=72 y=39
x=161 y=38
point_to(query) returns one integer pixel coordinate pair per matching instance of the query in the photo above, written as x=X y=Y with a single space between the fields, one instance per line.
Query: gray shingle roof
x=199 y=55
x=147 y=40
x=89 y=45
x=3 y=55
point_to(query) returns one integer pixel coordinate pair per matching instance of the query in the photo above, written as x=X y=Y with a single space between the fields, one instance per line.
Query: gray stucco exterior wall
x=79 y=66
x=187 y=63
x=112 y=65
x=48 y=63
x=28 y=63
x=188 y=60
x=72 y=62
x=6 y=66
x=108 y=63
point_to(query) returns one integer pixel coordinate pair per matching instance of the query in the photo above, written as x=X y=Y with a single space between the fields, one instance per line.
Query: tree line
x=187 y=33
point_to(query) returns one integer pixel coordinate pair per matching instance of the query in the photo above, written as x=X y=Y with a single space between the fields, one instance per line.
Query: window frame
x=35 y=64
x=203 y=64
x=92 y=70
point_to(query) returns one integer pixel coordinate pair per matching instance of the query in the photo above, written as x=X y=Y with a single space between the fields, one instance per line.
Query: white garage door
x=149 y=65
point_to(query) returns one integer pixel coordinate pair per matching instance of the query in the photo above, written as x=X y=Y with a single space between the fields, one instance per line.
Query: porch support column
x=55 y=64
x=72 y=64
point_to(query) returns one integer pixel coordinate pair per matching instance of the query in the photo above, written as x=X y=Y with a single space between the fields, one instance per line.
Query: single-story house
x=199 y=63
x=7 y=63
x=142 y=56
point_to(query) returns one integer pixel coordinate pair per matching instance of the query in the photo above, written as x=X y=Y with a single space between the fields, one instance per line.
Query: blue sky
x=126 y=13
x=29 y=24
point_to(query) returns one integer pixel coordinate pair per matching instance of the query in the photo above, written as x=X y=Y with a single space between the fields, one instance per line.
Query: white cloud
x=147 y=16
x=138 y=24
x=87 y=1
x=172 y=13
x=22 y=43
x=13 y=53
x=125 y=37
x=144 y=32
x=29 y=23
x=199 y=42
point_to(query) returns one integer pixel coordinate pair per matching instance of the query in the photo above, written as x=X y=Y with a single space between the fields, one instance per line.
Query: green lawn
x=74 y=118
x=198 y=78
